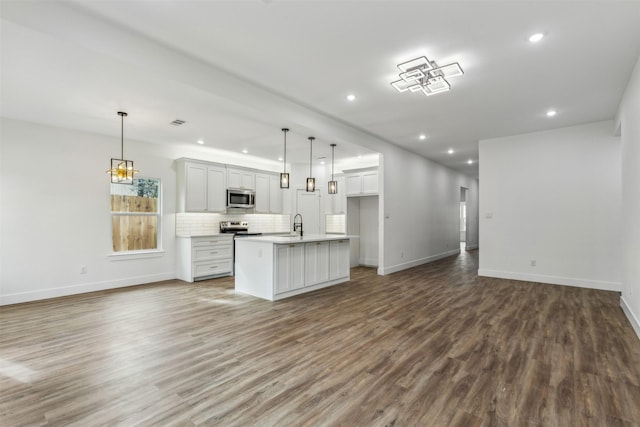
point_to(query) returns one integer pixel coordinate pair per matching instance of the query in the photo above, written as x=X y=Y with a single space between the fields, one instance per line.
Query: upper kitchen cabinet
x=201 y=186
x=268 y=193
x=362 y=183
x=240 y=178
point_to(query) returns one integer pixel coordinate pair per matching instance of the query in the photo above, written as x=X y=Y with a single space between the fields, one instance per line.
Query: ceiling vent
x=177 y=122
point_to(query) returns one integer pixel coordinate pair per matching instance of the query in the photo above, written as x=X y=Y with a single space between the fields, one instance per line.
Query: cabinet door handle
x=214 y=266
x=214 y=252
x=291 y=246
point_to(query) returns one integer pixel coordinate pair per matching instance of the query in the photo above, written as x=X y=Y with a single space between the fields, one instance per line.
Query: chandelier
x=122 y=170
x=422 y=75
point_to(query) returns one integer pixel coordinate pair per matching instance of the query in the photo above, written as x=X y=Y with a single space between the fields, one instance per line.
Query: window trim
x=142 y=253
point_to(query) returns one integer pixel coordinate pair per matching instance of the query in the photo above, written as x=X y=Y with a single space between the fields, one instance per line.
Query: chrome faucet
x=297 y=226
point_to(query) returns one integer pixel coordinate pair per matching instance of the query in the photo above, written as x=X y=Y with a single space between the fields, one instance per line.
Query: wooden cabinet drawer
x=201 y=269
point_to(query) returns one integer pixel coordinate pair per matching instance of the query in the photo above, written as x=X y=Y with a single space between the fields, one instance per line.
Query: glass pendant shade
x=311 y=184
x=284 y=176
x=122 y=171
x=333 y=187
x=284 y=180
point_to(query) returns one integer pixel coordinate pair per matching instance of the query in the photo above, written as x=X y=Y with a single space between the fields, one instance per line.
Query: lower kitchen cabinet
x=205 y=257
x=316 y=263
x=289 y=267
x=338 y=259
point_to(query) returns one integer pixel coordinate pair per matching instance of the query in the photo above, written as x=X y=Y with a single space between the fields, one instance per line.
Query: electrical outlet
x=83 y=269
x=533 y=263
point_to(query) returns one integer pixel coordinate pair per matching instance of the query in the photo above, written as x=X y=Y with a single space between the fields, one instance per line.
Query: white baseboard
x=368 y=262
x=633 y=319
x=399 y=267
x=553 y=280
x=471 y=247
x=83 y=288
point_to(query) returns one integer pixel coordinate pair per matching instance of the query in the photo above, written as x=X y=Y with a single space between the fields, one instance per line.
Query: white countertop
x=294 y=239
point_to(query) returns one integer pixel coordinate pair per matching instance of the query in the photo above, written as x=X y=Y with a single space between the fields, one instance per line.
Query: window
x=136 y=215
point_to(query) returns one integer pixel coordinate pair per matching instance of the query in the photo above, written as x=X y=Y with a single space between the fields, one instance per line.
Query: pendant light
x=122 y=170
x=284 y=176
x=311 y=181
x=333 y=185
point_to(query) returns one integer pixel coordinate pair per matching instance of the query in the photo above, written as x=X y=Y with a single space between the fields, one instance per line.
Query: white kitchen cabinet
x=216 y=189
x=316 y=263
x=205 y=257
x=201 y=187
x=262 y=193
x=275 y=194
x=268 y=194
x=363 y=183
x=240 y=178
x=338 y=259
x=289 y=261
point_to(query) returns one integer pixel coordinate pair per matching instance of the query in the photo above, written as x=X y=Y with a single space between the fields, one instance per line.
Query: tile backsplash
x=197 y=224
x=335 y=224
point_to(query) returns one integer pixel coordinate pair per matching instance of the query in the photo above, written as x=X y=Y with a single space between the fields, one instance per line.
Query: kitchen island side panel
x=254 y=268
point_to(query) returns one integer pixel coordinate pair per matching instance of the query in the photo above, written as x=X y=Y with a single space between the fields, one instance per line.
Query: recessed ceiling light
x=279 y=159
x=470 y=162
x=359 y=156
x=351 y=97
x=322 y=162
x=551 y=113
x=245 y=151
x=200 y=142
x=536 y=37
x=422 y=136
x=450 y=151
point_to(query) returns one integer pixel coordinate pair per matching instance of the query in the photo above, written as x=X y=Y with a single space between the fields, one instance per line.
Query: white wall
x=552 y=197
x=629 y=122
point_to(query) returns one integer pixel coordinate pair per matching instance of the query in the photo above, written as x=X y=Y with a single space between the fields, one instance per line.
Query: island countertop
x=295 y=238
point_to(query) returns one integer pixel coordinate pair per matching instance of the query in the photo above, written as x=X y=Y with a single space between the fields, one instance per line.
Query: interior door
x=308 y=205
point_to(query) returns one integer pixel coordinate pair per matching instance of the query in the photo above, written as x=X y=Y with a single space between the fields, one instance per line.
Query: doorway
x=308 y=205
x=362 y=227
x=463 y=218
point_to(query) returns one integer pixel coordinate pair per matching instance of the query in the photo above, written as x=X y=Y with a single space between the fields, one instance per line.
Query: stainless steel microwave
x=239 y=198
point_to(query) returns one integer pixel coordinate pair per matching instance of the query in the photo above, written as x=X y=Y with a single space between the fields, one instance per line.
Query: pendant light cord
x=122 y=115
x=121 y=136
x=310 y=154
x=284 y=166
x=333 y=149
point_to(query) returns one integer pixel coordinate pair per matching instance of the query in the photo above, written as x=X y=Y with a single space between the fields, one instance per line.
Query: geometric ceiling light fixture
x=311 y=181
x=284 y=176
x=122 y=170
x=422 y=75
x=333 y=184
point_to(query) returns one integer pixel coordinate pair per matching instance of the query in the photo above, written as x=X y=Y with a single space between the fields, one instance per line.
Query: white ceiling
x=232 y=69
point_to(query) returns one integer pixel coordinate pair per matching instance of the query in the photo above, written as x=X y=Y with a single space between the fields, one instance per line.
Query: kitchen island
x=276 y=267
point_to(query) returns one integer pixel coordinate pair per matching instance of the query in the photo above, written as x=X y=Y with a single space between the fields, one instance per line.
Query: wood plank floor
x=430 y=346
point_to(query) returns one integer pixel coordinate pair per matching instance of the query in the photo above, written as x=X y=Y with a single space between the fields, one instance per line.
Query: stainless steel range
x=239 y=229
